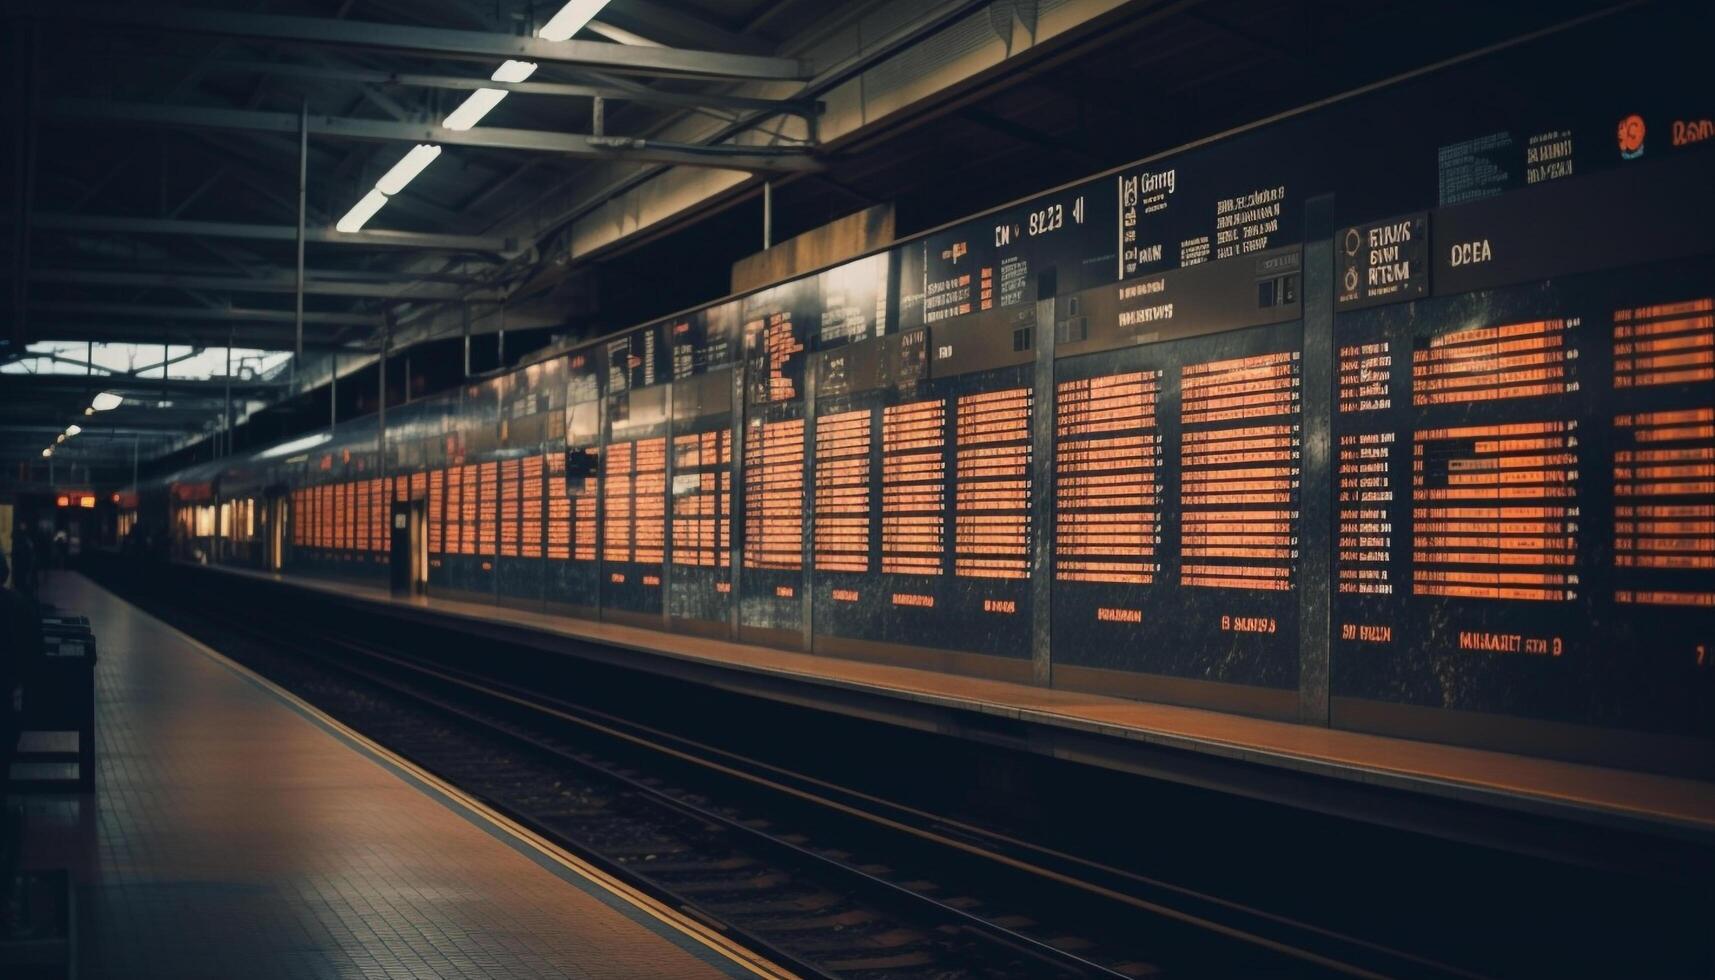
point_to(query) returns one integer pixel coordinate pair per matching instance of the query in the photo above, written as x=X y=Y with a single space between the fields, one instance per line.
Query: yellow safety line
x=665 y=914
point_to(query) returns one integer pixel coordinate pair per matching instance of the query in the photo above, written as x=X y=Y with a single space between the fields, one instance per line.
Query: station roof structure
x=283 y=180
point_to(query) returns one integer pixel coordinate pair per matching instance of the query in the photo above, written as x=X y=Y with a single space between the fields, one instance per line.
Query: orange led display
x=841 y=542
x=781 y=346
x=1494 y=511
x=617 y=517
x=1485 y=364
x=585 y=515
x=991 y=505
x=635 y=514
x=530 y=507
x=1107 y=486
x=1664 y=503
x=774 y=495
x=913 y=487
x=702 y=499
x=1239 y=472
x=435 y=495
x=1670 y=343
x=559 y=508
x=510 y=477
x=380 y=508
x=487 y=507
x=1366 y=377
x=454 y=542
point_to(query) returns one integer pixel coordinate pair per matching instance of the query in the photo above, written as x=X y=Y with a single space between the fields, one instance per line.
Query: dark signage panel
x=772 y=454
x=1178 y=469
x=701 y=504
x=1525 y=488
x=634 y=504
x=704 y=340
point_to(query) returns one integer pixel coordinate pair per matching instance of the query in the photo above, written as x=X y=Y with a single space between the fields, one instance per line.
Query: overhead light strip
x=571 y=18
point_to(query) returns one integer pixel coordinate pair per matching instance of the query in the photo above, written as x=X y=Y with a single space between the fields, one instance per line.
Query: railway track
x=823 y=880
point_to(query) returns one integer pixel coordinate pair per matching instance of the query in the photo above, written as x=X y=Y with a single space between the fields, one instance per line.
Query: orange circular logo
x=1631 y=136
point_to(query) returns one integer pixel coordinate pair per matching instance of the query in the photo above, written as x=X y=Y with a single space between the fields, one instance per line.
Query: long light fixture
x=570 y=20
x=474 y=107
x=513 y=70
x=72 y=430
x=48 y=452
x=408 y=167
x=107 y=401
x=296 y=445
x=361 y=212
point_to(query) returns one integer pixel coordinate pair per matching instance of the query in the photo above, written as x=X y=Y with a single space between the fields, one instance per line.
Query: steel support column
x=303 y=186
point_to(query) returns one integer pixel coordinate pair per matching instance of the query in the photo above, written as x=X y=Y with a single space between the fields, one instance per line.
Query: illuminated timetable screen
x=1525 y=500
x=700 y=581
x=1178 y=482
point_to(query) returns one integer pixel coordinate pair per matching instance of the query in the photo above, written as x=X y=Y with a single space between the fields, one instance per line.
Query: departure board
x=700 y=587
x=702 y=499
x=704 y=339
x=556 y=506
x=511 y=488
x=914 y=487
x=1179 y=518
x=1108 y=465
x=853 y=302
x=454 y=543
x=773 y=524
x=774 y=495
x=436 y=495
x=487 y=508
x=636 y=360
x=634 y=493
x=1526 y=501
x=530 y=507
x=842 y=492
x=1240 y=446
x=777 y=341
x=991 y=533
x=380 y=506
x=470 y=534
x=587 y=530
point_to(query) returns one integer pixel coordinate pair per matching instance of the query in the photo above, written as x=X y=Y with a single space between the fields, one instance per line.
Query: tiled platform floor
x=231 y=836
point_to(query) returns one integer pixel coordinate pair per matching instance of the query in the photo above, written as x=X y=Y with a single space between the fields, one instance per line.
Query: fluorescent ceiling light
x=72 y=430
x=361 y=212
x=47 y=452
x=107 y=401
x=296 y=445
x=474 y=108
x=407 y=169
x=514 y=71
x=570 y=20
x=59 y=438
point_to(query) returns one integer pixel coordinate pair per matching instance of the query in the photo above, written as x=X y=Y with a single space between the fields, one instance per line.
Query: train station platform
x=235 y=831
x=1498 y=797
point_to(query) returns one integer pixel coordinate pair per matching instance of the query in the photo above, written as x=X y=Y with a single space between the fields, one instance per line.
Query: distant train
x=1397 y=414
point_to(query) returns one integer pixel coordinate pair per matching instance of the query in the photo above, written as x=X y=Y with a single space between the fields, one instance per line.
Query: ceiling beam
x=263 y=336
x=436 y=41
x=122 y=383
x=273 y=233
x=233 y=314
x=370 y=76
x=278 y=283
x=623 y=149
